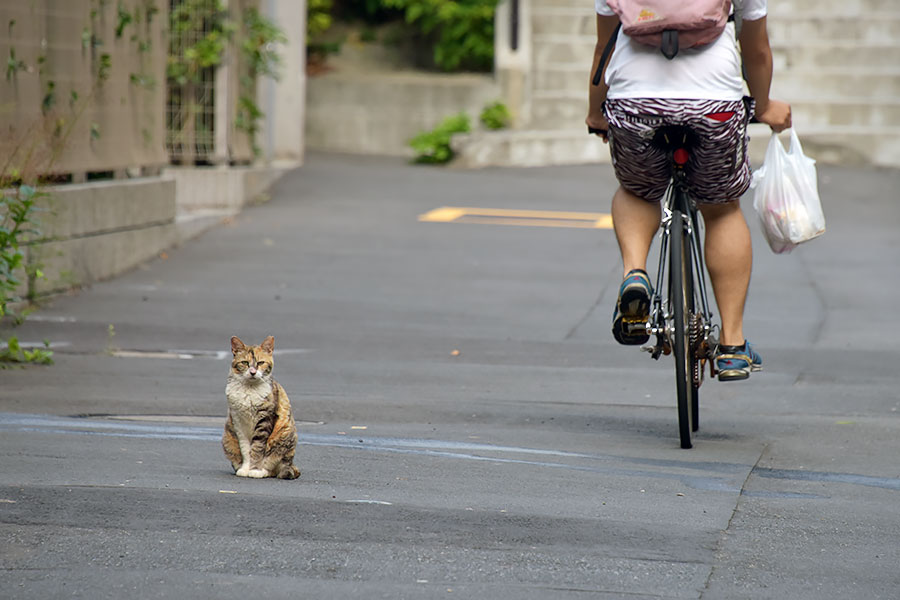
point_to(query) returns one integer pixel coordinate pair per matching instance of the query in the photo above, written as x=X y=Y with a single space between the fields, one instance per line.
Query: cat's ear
x=268 y=344
x=237 y=345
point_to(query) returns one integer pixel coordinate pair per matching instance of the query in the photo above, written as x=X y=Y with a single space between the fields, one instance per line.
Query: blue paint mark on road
x=731 y=478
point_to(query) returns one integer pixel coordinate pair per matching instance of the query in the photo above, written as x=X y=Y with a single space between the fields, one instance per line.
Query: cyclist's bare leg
x=635 y=222
x=729 y=259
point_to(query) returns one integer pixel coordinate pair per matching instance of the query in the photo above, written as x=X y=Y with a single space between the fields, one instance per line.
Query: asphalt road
x=468 y=426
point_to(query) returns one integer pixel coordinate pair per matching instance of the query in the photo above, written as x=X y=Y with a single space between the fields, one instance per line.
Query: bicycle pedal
x=634 y=326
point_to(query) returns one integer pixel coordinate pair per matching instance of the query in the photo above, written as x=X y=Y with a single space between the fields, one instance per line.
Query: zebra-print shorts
x=718 y=170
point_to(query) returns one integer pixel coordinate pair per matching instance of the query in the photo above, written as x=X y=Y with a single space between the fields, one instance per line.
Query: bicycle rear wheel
x=681 y=301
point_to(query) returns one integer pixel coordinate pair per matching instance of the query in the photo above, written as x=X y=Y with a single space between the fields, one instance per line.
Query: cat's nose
x=252 y=371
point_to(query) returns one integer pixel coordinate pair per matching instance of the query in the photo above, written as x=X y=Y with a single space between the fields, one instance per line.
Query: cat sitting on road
x=260 y=434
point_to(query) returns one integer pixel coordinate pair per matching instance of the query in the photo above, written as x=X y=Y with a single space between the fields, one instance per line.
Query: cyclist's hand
x=776 y=115
x=600 y=124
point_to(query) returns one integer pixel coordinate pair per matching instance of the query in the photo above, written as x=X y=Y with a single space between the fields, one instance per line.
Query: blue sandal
x=632 y=309
x=737 y=362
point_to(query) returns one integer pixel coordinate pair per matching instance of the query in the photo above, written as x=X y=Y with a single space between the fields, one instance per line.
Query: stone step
x=849 y=82
x=865 y=30
x=845 y=112
x=562 y=49
x=527 y=148
x=550 y=50
x=832 y=8
x=560 y=111
x=850 y=147
x=836 y=55
x=874 y=84
x=573 y=22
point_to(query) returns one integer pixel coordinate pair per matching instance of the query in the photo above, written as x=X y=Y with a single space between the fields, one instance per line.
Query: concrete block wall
x=378 y=113
x=98 y=230
x=94 y=231
x=204 y=196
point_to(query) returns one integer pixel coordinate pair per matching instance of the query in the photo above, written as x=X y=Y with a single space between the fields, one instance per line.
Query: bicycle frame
x=660 y=318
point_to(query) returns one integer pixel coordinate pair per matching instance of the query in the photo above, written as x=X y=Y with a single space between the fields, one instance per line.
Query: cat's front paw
x=257 y=473
x=243 y=471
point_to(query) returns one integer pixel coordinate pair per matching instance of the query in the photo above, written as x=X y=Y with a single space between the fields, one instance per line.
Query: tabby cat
x=260 y=434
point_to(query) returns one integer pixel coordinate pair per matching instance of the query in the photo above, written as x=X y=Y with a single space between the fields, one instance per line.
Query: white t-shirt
x=710 y=72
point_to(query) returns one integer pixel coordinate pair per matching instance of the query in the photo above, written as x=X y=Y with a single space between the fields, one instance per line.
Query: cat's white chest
x=244 y=402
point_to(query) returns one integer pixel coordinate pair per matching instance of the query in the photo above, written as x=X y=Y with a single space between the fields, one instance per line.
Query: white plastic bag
x=786 y=196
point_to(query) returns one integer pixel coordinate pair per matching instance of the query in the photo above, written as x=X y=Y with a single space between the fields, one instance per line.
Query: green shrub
x=433 y=146
x=318 y=17
x=13 y=353
x=495 y=116
x=463 y=30
x=18 y=205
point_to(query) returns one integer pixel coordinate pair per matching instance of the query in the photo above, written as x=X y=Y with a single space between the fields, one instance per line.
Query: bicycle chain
x=695 y=336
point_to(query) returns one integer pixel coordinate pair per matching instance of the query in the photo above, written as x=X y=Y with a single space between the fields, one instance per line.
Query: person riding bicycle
x=700 y=88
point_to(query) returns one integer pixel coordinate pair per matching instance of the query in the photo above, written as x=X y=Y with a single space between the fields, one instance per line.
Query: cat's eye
x=246 y=363
x=261 y=363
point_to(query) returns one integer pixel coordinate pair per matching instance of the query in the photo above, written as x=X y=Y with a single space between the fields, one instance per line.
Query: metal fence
x=203 y=103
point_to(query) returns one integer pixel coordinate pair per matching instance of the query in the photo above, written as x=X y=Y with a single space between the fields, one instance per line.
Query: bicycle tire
x=680 y=301
x=692 y=308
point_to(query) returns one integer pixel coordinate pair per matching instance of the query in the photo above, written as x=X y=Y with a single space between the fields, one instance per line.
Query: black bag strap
x=606 y=52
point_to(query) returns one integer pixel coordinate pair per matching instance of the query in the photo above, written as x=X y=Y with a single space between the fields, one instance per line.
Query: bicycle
x=681 y=319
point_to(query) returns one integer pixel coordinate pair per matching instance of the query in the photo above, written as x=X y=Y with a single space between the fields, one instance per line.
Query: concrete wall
x=94 y=231
x=378 y=113
x=284 y=101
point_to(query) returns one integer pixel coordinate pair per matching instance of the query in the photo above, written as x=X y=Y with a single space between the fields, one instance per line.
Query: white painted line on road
x=190 y=354
x=51 y=345
x=51 y=319
x=149 y=354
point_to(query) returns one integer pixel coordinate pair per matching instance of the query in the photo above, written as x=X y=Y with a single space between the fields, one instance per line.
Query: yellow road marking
x=527 y=218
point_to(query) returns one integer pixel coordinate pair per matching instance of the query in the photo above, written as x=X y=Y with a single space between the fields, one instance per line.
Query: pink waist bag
x=697 y=22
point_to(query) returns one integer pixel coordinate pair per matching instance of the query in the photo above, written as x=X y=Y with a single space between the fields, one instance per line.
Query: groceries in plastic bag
x=786 y=196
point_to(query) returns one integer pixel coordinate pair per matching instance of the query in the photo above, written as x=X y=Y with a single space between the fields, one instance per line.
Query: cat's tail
x=288 y=471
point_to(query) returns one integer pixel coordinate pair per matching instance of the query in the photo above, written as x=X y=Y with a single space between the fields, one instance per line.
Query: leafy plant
x=188 y=56
x=258 y=47
x=463 y=30
x=13 y=64
x=495 y=116
x=125 y=19
x=433 y=147
x=18 y=205
x=15 y=353
x=318 y=17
